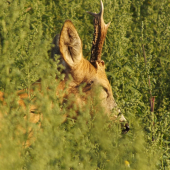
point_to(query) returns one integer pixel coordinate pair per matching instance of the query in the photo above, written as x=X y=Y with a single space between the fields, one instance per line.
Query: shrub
x=26 y=32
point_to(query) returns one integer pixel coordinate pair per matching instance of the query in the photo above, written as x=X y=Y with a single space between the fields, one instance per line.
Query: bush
x=26 y=32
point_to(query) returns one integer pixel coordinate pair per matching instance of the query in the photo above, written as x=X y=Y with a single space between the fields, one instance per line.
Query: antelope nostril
x=126 y=128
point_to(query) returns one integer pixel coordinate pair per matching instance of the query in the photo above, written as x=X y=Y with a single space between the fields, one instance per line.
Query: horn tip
x=108 y=24
x=101 y=5
x=91 y=13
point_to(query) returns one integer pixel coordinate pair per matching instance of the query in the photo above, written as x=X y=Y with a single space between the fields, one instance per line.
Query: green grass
x=26 y=32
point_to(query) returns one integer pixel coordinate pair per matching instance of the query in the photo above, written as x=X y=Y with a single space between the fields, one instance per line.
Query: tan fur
x=92 y=76
x=81 y=71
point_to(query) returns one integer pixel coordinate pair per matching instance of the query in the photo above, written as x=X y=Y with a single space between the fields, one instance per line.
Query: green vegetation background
x=27 y=28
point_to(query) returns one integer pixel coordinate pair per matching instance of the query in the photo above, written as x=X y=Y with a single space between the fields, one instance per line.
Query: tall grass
x=26 y=32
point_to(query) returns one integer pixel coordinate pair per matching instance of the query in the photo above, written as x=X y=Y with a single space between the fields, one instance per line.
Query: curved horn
x=100 y=31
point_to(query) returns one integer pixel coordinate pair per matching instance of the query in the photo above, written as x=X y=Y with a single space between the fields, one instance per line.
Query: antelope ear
x=70 y=44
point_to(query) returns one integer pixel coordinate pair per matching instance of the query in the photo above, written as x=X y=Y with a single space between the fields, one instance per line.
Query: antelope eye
x=105 y=89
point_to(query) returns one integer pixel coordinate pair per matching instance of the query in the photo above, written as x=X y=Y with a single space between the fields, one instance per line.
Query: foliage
x=26 y=32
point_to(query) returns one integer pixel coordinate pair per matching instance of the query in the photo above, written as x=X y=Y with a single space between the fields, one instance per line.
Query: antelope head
x=68 y=44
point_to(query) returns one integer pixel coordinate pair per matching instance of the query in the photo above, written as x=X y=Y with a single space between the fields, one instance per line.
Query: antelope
x=69 y=46
x=90 y=73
